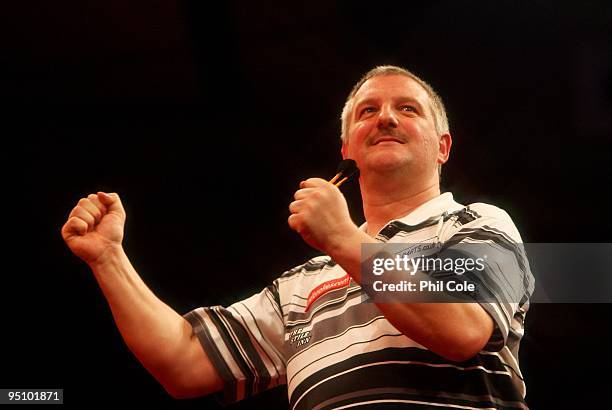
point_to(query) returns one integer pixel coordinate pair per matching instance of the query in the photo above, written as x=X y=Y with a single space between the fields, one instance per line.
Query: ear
x=344 y=151
x=444 y=148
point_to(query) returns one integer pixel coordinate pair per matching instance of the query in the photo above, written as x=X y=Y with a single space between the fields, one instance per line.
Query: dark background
x=204 y=117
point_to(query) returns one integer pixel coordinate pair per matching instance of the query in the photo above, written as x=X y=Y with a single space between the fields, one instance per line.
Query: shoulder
x=312 y=266
x=484 y=218
x=489 y=211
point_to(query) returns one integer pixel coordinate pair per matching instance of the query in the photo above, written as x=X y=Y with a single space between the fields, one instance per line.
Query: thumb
x=111 y=201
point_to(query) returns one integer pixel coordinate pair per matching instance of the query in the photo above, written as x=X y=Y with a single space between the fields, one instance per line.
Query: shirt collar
x=430 y=209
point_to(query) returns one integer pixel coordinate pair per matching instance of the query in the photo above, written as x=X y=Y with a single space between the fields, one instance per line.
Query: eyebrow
x=373 y=100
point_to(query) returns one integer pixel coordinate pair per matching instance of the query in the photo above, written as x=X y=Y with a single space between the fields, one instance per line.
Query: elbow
x=182 y=385
x=466 y=347
x=471 y=340
x=460 y=355
x=171 y=380
x=181 y=391
x=172 y=386
x=176 y=392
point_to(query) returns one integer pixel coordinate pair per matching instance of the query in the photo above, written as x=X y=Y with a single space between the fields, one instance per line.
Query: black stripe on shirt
x=310 y=266
x=408 y=398
x=305 y=318
x=233 y=349
x=209 y=346
x=463 y=216
x=424 y=379
x=246 y=344
x=393 y=228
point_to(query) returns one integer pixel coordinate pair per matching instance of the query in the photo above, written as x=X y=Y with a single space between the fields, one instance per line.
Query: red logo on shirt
x=325 y=287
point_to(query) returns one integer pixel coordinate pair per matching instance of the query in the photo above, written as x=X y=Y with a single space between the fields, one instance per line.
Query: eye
x=367 y=110
x=408 y=108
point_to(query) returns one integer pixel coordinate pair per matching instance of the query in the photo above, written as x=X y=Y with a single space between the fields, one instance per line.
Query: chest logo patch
x=326 y=287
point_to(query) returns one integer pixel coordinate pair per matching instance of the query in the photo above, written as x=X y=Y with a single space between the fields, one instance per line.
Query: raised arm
x=161 y=339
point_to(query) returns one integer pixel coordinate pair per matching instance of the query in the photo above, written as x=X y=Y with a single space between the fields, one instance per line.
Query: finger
x=294 y=222
x=112 y=203
x=295 y=206
x=303 y=193
x=313 y=183
x=96 y=201
x=80 y=212
x=74 y=226
x=89 y=206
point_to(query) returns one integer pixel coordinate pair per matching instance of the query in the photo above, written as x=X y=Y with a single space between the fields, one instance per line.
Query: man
x=312 y=328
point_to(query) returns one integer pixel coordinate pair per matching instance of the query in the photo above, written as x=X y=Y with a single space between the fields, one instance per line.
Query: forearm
x=152 y=330
x=456 y=331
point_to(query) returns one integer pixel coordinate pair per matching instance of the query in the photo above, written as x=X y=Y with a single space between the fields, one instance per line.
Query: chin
x=387 y=162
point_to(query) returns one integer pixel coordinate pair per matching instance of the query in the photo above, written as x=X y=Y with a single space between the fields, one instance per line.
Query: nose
x=387 y=117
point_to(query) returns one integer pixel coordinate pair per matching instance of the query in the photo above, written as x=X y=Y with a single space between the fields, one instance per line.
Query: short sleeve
x=506 y=283
x=244 y=343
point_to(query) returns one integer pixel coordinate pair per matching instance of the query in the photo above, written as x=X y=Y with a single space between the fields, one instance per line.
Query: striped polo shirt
x=313 y=330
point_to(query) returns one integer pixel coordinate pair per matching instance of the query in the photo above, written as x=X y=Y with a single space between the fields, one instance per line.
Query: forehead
x=391 y=86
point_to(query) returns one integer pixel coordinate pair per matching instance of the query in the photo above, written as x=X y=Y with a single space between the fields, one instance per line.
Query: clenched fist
x=94 y=226
x=320 y=214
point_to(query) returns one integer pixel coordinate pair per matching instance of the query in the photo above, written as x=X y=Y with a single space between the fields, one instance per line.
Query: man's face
x=391 y=126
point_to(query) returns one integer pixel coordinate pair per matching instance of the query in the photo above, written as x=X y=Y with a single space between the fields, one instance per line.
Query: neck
x=385 y=199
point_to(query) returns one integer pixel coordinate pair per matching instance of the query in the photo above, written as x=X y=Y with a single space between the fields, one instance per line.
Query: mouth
x=387 y=139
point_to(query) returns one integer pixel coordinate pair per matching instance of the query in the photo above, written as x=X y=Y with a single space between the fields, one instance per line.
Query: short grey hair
x=436 y=104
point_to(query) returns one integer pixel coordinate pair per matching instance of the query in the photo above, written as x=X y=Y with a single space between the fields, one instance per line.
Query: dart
x=346 y=169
